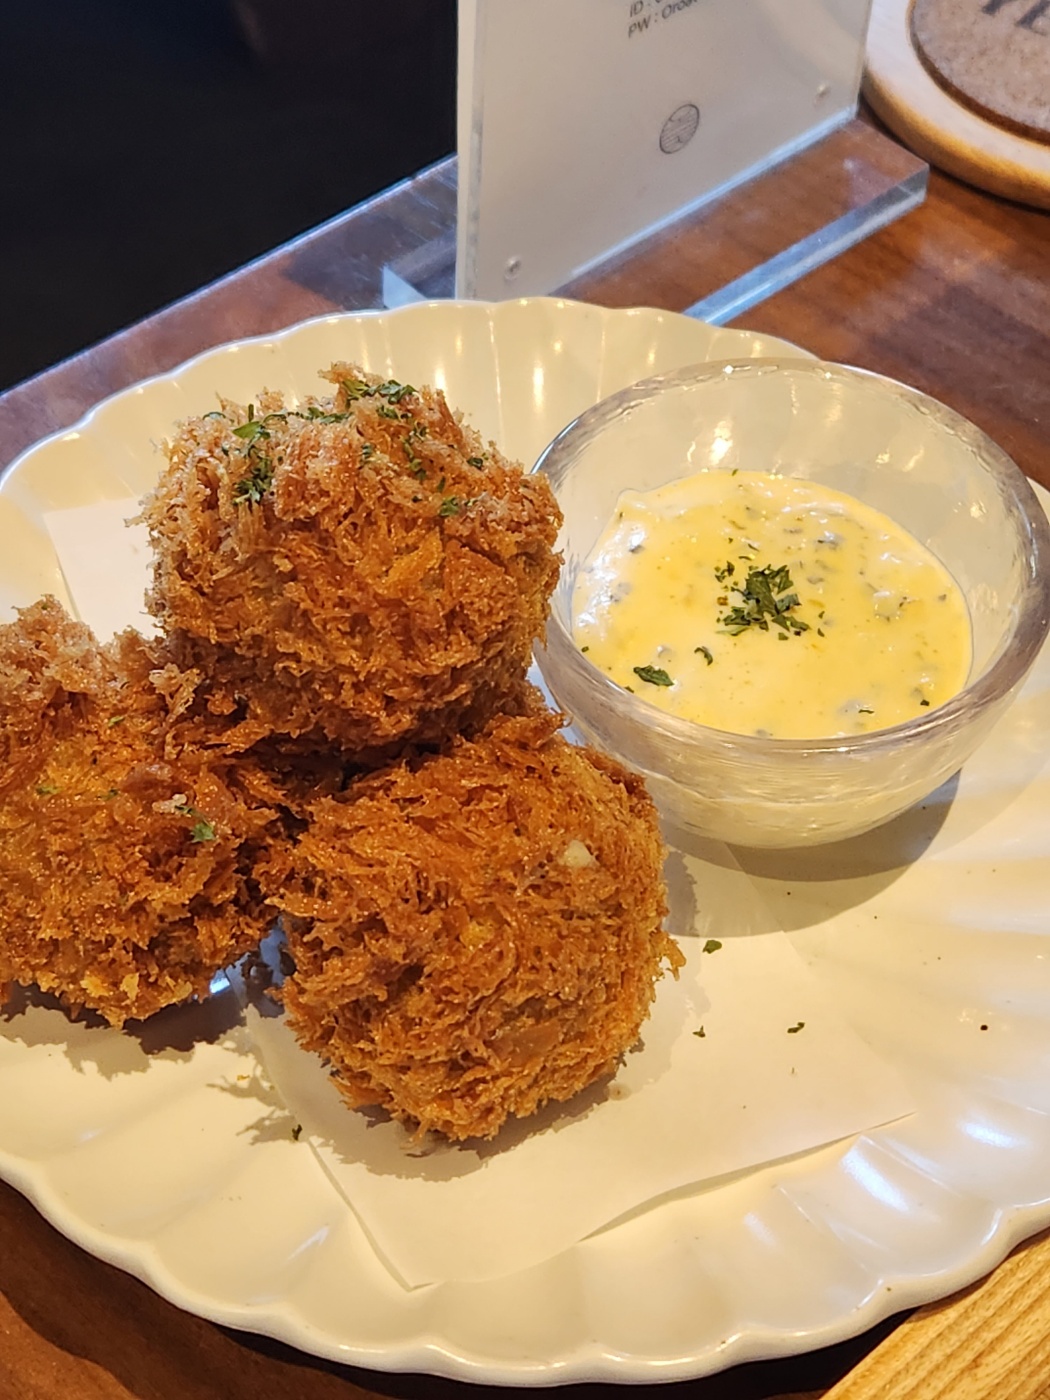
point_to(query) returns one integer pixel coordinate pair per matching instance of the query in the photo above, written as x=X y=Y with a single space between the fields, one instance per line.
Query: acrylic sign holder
x=592 y=127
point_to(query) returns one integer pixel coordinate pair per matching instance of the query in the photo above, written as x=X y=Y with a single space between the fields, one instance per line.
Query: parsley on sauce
x=766 y=596
x=654 y=675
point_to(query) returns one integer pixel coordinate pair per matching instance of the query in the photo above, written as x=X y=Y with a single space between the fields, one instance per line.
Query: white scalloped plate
x=180 y=1166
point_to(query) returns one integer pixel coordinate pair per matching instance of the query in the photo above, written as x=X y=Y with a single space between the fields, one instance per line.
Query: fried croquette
x=336 y=724
x=125 y=869
x=360 y=570
x=476 y=933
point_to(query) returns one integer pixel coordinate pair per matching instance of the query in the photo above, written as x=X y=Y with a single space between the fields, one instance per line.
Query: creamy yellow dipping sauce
x=671 y=605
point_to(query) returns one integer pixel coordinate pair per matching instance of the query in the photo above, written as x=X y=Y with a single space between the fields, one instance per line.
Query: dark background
x=149 y=146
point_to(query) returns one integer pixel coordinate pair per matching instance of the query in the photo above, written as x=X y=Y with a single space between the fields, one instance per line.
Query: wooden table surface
x=953 y=298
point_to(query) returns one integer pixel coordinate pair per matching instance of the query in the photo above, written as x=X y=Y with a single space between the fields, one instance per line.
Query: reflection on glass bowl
x=920 y=463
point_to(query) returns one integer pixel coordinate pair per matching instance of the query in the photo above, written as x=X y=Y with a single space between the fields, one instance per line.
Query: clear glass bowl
x=909 y=456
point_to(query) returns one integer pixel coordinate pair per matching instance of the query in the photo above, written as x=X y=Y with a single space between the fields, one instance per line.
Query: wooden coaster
x=936 y=124
x=994 y=56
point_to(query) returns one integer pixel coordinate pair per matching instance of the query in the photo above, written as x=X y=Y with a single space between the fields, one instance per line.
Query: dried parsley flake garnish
x=654 y=675
x=766 y=596
x=202 y=829
x=391 y=390
x=259 y=478
x=252 y=488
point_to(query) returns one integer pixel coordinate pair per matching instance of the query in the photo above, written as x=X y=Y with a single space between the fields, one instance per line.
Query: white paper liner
x=105 y=562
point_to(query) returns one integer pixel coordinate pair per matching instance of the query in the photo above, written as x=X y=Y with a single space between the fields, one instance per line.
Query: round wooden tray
x=929 y=120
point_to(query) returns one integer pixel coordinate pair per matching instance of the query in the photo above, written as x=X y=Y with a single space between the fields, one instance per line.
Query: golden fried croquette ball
x=477 y=933
x=125 y=870
x=361 y=570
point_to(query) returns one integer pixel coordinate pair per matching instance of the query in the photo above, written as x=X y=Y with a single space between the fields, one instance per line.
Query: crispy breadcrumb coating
x=477 y=927
x=360 y=569
x=125 y=864
x=477 y=933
